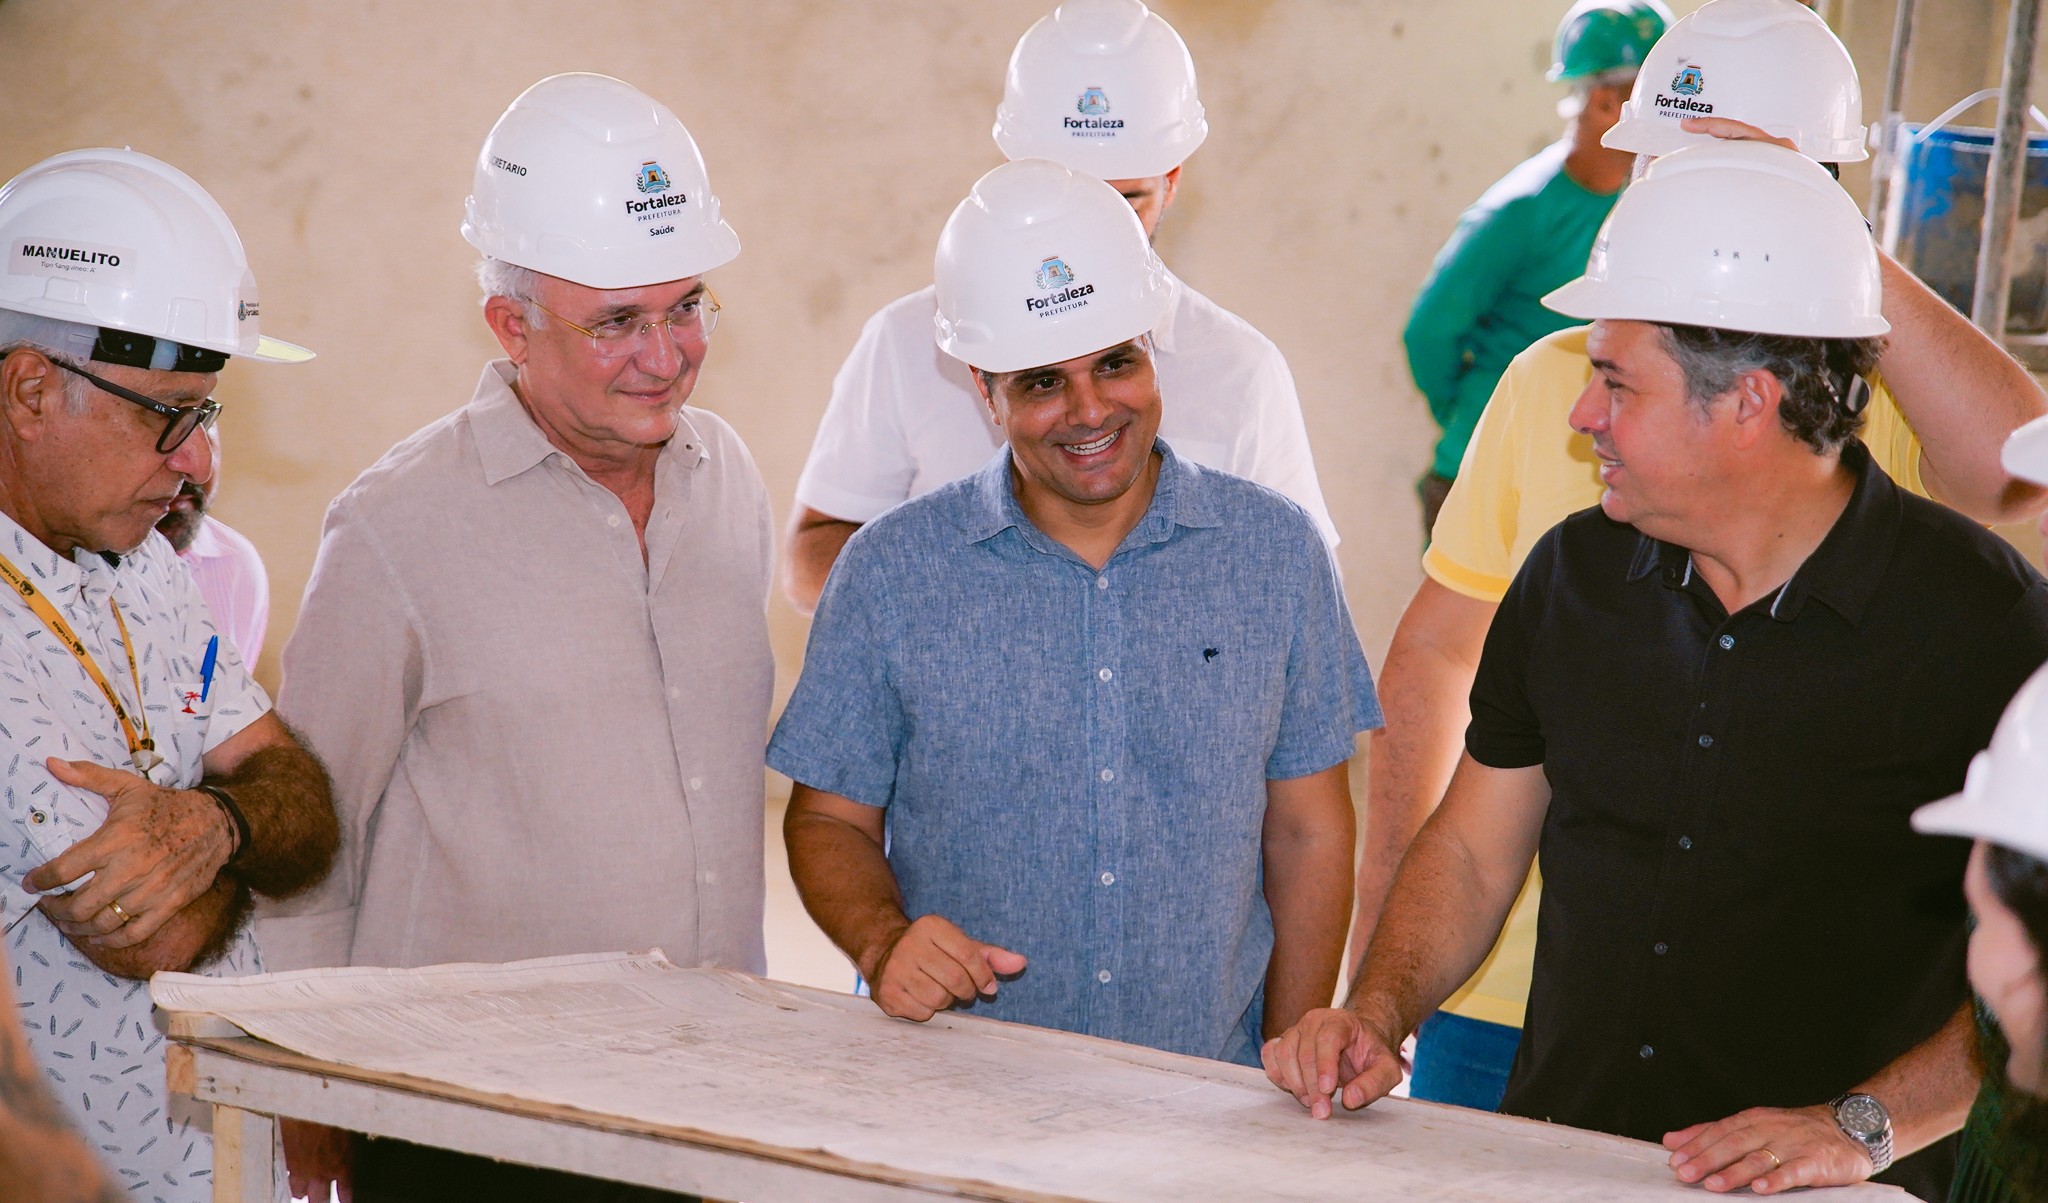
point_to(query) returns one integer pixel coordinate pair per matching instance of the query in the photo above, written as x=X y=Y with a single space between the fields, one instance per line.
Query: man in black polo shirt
x=1714 y=703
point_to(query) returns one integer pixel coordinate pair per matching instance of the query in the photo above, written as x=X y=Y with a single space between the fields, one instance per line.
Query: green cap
x=1599 y=36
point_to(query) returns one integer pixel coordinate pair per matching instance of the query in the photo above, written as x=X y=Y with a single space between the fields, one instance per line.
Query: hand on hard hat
x=1102 y=87
x=1728 y=129
x=1773 y=64
x=590 y=179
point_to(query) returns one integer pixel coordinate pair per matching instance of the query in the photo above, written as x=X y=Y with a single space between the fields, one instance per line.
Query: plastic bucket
x=1937 y=215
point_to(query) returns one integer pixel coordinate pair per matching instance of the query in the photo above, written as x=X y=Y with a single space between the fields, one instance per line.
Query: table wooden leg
x=244 y=1156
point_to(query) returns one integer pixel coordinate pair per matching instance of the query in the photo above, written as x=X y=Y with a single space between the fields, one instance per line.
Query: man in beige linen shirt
x=534 y=649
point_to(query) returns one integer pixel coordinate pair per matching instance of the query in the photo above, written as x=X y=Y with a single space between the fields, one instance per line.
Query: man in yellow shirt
x=1946 y=398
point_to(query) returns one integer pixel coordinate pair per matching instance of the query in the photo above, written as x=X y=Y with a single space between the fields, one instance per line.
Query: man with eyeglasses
x=148 y=789
x=534 y=649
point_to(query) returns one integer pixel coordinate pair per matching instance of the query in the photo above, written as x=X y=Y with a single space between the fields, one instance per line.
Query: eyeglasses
x=184 y=419
x=617 y=337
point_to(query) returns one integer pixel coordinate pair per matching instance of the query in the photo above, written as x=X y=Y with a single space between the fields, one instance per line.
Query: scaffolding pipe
x=1890 y=119
x=2008 y=171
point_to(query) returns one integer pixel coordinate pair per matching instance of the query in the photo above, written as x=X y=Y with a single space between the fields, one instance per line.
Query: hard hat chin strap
x=157 y=354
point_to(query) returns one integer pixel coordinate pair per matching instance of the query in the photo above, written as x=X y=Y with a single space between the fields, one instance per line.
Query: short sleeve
x=1283 y=460
x=1505 y=733
x=1329 y=696
x=1891 y=439
x=1471 y=548
x=843 y=731
x=860 y=463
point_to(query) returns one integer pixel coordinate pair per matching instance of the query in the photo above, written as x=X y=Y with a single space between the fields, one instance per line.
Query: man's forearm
x=1452 y=895
x=1962 y=394
x=1423 y=688
x=847 y=886
x=1930 y=1087
x=813 y=546
x=192 y=937
x=293 y=833
x=1307 y=863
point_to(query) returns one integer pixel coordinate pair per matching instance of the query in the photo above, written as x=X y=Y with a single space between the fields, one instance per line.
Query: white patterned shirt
x=92 y=1033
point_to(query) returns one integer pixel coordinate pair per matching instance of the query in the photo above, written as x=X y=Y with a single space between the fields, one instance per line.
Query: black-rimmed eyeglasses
x=184 y=419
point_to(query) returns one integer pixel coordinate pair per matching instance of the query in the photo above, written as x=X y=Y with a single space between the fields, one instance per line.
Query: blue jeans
x=1463 y=1061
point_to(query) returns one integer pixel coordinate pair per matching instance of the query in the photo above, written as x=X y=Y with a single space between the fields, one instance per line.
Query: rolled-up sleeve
x=351 y=691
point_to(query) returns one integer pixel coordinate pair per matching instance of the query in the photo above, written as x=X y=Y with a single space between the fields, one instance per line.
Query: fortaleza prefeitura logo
x=1056 y=278
x=655 y=185
x=1690 y=82
x=1093 y=104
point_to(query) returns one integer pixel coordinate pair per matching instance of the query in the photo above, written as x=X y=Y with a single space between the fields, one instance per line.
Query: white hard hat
x=1105 y=87
x=1040 y=265
x=1737 y=236
x=2026 y=452
x=588 y=178
x=2005 y=797
x=127 y=243
x=1773 y=64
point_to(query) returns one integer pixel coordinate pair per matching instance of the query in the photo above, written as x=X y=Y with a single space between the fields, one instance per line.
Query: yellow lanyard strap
x=141 y=748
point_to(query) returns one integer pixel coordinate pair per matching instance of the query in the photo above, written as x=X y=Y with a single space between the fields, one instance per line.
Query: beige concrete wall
x=1346 y=137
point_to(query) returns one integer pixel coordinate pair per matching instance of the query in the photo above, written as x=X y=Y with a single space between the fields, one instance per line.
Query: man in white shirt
x=224 y=564
x=1105 y=88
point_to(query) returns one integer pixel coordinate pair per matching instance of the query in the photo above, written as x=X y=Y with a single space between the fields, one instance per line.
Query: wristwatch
x=1864 y=1120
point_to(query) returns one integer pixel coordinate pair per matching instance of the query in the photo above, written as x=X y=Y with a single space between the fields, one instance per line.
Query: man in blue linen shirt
x=1096 y=702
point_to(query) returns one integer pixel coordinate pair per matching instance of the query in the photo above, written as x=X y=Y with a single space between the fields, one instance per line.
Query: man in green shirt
x=1530 y=233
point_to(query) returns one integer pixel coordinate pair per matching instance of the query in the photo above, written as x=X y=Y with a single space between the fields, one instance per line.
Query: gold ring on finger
x=120 y=914
x=1775 y=1162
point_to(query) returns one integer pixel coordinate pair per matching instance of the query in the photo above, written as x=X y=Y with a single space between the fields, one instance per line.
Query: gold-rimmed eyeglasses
x=691 y=321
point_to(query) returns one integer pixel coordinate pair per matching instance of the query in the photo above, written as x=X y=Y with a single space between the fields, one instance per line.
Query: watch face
x=1862 y=1116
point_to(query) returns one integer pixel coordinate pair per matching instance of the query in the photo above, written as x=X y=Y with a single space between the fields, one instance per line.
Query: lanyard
x=141 y=748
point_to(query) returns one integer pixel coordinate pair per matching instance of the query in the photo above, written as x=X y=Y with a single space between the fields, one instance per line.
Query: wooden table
x=252 y=1084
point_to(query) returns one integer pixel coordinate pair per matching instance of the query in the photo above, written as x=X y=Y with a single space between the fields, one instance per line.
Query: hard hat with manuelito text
x=118 y=240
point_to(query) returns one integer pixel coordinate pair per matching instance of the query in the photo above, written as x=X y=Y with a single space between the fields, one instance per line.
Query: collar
x=58 y=576
x=1184 y=497
x=1843 y=573
x=207 y=543
x=508 y=442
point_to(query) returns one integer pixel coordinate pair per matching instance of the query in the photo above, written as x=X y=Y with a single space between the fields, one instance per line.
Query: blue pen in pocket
x=206 y=667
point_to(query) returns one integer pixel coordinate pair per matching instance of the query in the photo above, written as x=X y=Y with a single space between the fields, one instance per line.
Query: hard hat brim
x=276 y=350
x=1979 y=818
x=1662 y=137
x=1594 y=300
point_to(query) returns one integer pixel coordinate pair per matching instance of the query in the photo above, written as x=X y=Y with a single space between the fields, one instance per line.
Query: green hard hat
x=1599 y=36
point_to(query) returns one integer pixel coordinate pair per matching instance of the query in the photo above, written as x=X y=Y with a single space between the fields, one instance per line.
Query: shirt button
x=1727 y=643
x=1102 y=582
x=1107 y=775
x=612 y=521
x=38 y=817
x=1102 y=975
x=1108 y=879
x=1660 y=948
x=1685 y=842
x=710 y=877
x=696 y=783
x=1646 y=1052
x=1103 y=674
x=674 y=693
x=1706 y=741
